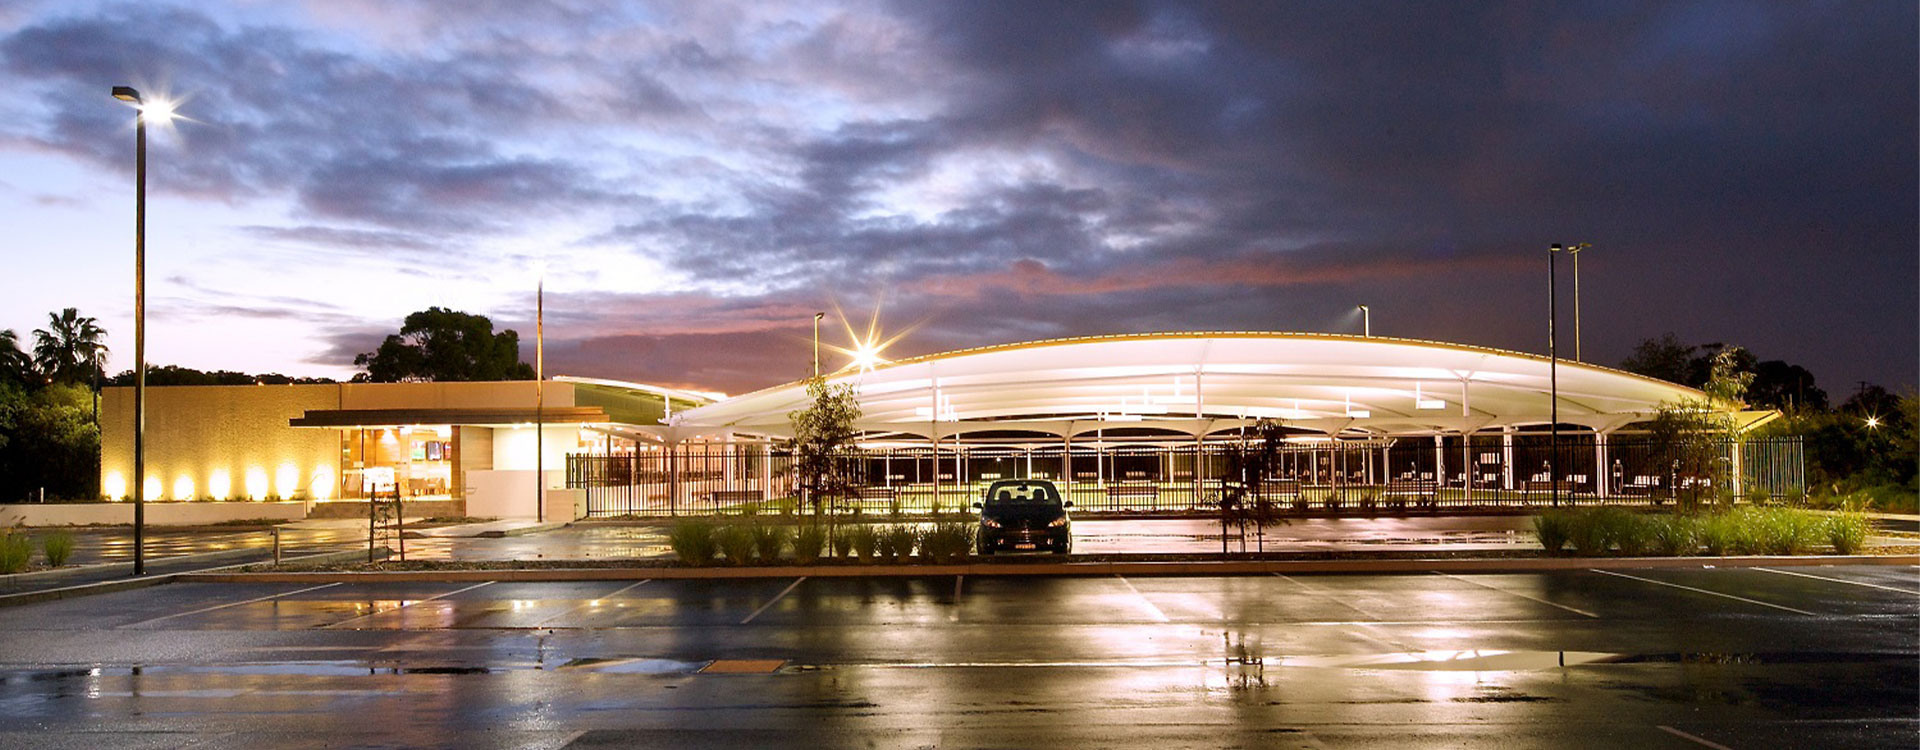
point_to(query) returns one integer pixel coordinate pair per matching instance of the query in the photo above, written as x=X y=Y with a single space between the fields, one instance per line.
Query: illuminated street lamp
x=161 y=110
x=1366 y=321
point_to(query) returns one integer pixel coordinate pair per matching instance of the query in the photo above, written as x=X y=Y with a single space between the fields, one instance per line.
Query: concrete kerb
x=128 y=584
x=1196 y=568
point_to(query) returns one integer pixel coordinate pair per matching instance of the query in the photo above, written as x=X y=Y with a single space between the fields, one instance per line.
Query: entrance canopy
x=1201 y=383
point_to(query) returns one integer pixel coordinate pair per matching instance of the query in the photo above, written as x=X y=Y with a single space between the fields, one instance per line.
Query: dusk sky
x=700 y=177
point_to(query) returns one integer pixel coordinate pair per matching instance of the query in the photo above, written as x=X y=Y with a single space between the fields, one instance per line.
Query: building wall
x=518 y=393
x=222 y=441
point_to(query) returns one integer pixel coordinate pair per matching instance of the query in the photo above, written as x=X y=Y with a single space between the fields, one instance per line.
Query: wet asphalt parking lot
x=1675 y=658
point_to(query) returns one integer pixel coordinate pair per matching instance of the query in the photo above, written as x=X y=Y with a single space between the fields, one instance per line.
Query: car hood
x=1007 y=513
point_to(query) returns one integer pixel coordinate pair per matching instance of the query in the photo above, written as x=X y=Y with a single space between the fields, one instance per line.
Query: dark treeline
x=1865 y=444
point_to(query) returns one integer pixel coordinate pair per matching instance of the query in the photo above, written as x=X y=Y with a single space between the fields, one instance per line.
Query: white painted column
x=1506 y=458
x=1066 y=464
x=1439 y=461
x=1602 y=471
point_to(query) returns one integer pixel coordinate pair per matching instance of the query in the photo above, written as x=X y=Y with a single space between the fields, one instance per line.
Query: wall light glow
x=152 y=490
x=286 y=481
x=220 y=485
x=183 y=488
x=256 y=483
x=322 y=484
x=115 y=485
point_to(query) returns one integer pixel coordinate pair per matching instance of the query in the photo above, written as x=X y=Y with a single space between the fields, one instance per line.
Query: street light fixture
x=1574 y=250
x=1553 y=374
x=1366 y=321
x=131 y=96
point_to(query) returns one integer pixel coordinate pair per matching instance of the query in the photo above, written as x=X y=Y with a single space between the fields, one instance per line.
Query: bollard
x=276 y=546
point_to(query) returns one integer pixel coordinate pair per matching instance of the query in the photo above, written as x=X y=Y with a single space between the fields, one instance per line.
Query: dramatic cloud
x=700 y=177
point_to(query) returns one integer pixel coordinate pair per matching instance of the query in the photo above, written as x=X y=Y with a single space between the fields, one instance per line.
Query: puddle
x=632 y=666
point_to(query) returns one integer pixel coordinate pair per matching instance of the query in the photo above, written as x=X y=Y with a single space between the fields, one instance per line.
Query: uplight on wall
x=183 y=488
x=286 y=481
x=322 y=484
x=152 y=489
x=220 y=485
x=256 y=483
x=115 y=486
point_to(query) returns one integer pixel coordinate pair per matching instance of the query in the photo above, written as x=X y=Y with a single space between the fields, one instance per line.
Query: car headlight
x=989 y=523
x=1058 y=522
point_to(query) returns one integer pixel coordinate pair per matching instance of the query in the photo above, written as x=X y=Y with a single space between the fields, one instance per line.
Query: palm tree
x=71 y=350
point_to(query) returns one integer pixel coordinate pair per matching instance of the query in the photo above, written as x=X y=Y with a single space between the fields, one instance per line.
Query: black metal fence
x=1375 y=476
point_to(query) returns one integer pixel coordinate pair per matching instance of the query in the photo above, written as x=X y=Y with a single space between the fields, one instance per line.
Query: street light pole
x=129 y=95
x=816 y=342
x=1366 y=321
x=1574 y=250
x=540 y=399
x=1553 y=375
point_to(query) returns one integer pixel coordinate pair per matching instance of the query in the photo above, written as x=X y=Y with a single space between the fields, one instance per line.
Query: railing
x=1373 y=477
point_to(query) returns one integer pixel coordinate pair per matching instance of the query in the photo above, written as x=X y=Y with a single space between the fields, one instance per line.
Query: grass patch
x=57 y=547
x=16 y=550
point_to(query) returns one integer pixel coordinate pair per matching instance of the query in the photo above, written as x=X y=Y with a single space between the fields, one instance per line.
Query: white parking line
x=230 y=604
x=1840 y=580
x=1685 y=736
x=1704 y=591
x=954 y=614
x=1328 y=594
x=776 y=597
x=1360 y=628
x=1527 y=597
x=408 y=604
x=593 y=601
x=1158 y=615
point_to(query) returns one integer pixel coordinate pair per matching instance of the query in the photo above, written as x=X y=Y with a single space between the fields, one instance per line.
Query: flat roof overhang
x=341 y=418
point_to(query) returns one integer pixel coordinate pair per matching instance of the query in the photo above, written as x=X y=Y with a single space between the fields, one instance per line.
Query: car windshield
x=1023 y=494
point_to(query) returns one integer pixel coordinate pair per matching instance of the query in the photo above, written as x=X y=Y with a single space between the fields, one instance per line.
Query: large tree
x=441 y=344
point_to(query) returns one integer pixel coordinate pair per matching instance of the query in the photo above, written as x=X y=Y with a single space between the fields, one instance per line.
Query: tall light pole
x=816 y=342
x=1553 y=375
x=129 y=95
x=1366 y=321
x=1574 y=250
x=540 y=398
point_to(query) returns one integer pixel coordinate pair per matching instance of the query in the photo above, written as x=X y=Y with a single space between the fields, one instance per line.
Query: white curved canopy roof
x=1198 y=383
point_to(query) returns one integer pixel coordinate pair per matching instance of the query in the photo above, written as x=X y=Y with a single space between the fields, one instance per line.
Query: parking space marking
x=776 y=597
x=1840 y=580
x=1709 y=593
x=1697 y=740
x=231 y=604
x=1158 y=615
x=1574 y=610
x=593 y=601
x=1360 y=628
x=408 y=604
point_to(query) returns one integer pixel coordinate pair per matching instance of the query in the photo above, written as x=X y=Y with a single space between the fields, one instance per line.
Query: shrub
x=1723 y=533
x=808 y=542
x=1593 y=532
x=896 y=542
x=1551 y=528
x=1674 y=535
x=842 y=541
x=1633 y=533
x=736 y=542
x=1757 y=495
x=57 y=546
x=693 y=541
x=1780 y=531
x=770 y=541
x=15 y=551
x=1847 y=532
x=948 y=542
x=864 y=541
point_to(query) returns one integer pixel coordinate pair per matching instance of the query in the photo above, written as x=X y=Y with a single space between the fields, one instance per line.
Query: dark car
x=1024 y=514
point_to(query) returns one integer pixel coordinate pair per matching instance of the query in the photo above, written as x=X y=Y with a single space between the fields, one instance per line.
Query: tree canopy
x=446 y=345
x=71 y=349
x=176 y=375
